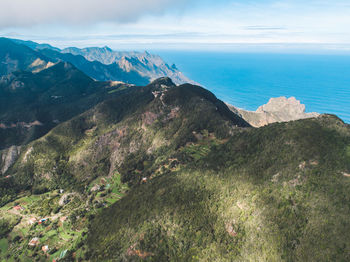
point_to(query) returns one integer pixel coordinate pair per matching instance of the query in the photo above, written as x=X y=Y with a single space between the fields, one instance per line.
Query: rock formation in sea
x=280 y=109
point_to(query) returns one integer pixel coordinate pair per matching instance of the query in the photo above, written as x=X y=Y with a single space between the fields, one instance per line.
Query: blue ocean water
x=247 y=80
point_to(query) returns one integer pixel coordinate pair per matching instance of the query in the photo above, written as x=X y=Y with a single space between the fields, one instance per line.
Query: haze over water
x=248 y=80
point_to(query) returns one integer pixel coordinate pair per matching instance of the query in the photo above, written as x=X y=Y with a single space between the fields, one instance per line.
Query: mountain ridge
x=39 y=86
x=148 y=65
x=161 y=97
x=15 y=57
x=31 y=104
x=143 y=66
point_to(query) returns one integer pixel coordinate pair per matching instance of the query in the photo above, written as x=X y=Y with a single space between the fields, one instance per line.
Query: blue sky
x=189 y=24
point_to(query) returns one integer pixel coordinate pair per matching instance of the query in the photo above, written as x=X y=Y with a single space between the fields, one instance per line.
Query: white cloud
x=18 y=13
x=203 y=22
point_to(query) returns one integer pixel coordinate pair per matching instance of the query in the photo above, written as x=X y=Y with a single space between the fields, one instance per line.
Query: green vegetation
x=3 y=245
x=46 y=99
x=137 y=130
x=271 y=194
x=166 y=173
x=66 y=215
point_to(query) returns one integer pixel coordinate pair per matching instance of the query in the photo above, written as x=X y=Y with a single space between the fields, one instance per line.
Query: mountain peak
x=107 y=48
x=166 y=81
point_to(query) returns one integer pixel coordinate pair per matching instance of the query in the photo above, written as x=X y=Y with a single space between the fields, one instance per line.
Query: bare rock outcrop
x=280 y=109
x=8 y=158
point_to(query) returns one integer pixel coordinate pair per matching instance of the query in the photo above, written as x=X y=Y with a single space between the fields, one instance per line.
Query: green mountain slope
x=32 y=104
x=169 y=173
x=138 y=134
x=278 y=193
x=143 y=124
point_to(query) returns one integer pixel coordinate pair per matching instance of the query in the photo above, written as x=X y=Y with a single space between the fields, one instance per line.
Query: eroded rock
x=280 y=109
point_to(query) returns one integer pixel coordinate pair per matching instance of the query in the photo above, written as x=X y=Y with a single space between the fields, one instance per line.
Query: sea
x=249 y=80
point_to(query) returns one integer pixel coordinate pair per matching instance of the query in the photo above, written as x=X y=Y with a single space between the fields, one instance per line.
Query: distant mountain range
x=102 y=64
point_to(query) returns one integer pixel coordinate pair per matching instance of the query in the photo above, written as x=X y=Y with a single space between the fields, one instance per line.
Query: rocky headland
x=280 y=109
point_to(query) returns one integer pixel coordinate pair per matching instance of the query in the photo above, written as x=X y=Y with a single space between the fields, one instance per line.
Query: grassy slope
x=271 y=194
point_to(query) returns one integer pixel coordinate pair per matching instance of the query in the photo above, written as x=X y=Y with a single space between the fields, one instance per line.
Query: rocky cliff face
x=279 y=109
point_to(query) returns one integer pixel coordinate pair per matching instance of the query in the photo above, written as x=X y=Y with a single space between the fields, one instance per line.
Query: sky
x=181 y=24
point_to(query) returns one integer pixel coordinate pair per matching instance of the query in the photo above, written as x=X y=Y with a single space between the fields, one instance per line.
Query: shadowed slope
x=15 y=57
x=32 y=104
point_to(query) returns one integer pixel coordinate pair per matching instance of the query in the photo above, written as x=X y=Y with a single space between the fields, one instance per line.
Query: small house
x=62 y=219
x=18 y=208
x=32 y=221
x=45 y=248
x=34 y=242
x=95 y=188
